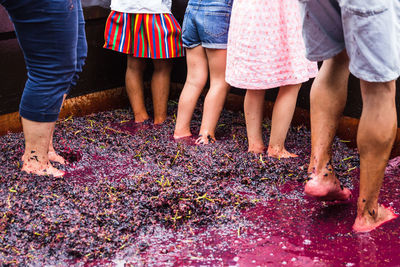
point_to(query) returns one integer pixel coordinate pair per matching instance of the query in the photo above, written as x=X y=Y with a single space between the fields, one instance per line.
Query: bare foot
x=256 y=148
x=326 y=187
x=141 y=118
x=374 y=219
x=179 y=135
x=35 y=167
x=53 y=156
x=280 y=153
x=205 y=139
x=158 y=121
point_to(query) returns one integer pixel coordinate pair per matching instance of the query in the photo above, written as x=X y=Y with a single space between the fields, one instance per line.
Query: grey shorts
x=368 y=29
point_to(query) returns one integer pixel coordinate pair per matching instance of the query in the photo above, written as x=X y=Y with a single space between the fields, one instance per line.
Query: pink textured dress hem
x=265 y=45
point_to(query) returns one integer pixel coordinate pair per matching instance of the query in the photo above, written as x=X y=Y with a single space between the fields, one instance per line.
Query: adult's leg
x=376 y=134
x=281 y=118
x=47 y=32
x=197 y=73
x=254 y=113
x=81 y=50
x=52 y=154
x=135 y=88
x=37 y=140
x=328 y=98
x=160 y=84
x=216 y=95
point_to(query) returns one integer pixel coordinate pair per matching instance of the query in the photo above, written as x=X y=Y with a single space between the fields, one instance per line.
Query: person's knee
x=378 y=93
x=42 y=103
x=377 y=87
x=341 y=60
x=196 y=81
x=163 y=66
x=136 y=65
x=255 y=93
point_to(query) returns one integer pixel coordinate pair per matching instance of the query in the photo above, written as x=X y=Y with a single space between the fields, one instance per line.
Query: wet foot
x=326 y=187
x=280 y=153
x=205 y=139
x=368 y=223
x=53 y=156
x=38 y=168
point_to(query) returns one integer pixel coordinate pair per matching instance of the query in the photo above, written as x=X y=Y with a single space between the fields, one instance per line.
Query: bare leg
x=160 y=84
x=376 y=134
x=281 y=118
x=328 y=98
x=134 y=87
x=195 y=81
x=37 y=141
x=53 y=156
x=216 y=95
x=254 y=113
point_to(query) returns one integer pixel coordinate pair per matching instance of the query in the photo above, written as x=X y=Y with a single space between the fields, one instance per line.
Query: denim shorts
x=206 y=23
x=368 y=29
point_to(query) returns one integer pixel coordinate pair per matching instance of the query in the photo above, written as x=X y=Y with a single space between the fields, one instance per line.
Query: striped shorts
x=155 y=36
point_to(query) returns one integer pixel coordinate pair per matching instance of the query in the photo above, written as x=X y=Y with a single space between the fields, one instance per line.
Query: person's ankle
x=320 y=165
x=256 y=148
x=141 y=118
x=159 y=119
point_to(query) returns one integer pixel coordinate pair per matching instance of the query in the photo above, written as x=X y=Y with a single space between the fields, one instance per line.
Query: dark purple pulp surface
x=133 y=196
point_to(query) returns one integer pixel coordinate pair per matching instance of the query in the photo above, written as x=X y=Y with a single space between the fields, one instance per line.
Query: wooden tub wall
x=116 y=98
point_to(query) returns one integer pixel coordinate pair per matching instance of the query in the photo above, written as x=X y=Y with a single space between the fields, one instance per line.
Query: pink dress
x=265 y=45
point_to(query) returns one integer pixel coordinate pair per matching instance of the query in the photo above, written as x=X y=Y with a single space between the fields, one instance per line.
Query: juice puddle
x=293 y=232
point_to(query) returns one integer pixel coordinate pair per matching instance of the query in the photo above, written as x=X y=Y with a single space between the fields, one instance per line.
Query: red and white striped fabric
x=154 y=36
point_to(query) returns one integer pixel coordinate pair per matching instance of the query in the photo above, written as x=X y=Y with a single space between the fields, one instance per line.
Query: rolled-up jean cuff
x=191 y=46
x=214 y=46
x=37 y=116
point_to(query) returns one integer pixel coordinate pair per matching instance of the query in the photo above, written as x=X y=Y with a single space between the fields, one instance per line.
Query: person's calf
x=160 y=85
x=376 y=134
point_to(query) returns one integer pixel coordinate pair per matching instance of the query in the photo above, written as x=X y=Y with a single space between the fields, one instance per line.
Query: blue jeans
x=51 y=34
x=206 y=23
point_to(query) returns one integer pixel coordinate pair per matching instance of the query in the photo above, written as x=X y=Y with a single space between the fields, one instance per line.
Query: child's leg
x=134 y=87
x=215 y=99
x=281 y=117
x=160 y=84
x=195 y=81
x=254 y=113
